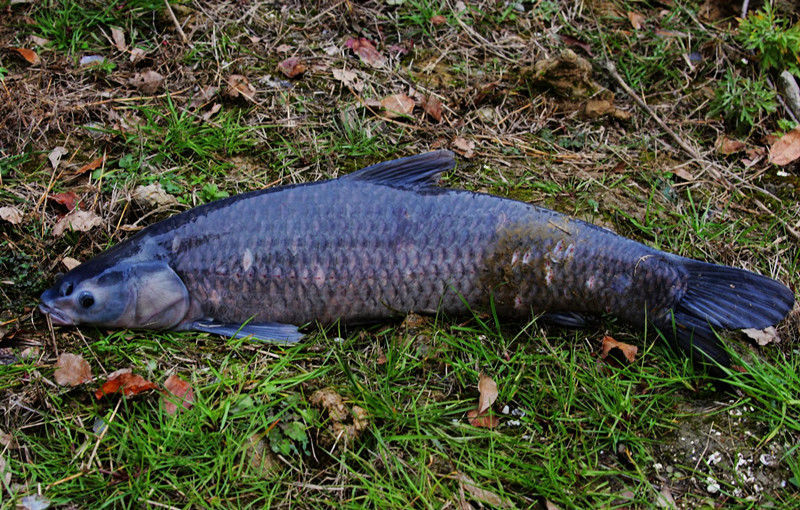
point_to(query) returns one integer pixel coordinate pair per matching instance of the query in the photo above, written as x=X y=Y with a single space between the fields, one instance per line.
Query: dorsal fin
x=418 y=171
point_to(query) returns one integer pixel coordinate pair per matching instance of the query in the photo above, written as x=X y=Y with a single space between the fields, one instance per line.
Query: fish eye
x=86 y=299
x=66 y=289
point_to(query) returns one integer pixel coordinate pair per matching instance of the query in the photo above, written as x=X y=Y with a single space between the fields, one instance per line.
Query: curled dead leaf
x=179 y=393
x=438 y=20
x=483 y=420
x=68 y=199
x=397 y=105
x=464 y=147
x=239 y=86
x=763 y=336
x=292 y=67
x=349 y=79
x=366 y=51
x=92 y=165
x=29 y=55
x=629 y=351
x=55 y=156
x=786 y=149
x=11 y=214
x=70 y=263
x=636 y=19
x=77 y=220
x=483 y=495
x=433 y=107
x=72 y=370
x=148 y=82
x=153 y=195
x=488 y=393
x=118 y=37
x=125 y=382
x=726 y=146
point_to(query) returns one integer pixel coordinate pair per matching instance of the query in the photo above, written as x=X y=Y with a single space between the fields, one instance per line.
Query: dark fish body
x=385 y=241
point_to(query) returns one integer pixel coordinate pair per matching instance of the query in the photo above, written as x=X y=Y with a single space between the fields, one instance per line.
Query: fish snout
x=48 y=306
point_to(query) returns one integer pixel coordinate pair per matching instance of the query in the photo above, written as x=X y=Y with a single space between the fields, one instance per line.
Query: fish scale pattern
x=361 y=251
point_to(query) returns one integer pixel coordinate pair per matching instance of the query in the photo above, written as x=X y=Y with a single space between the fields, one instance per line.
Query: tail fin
x=725 y=297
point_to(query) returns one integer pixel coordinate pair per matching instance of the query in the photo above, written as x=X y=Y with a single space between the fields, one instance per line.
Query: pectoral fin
x=265 y=331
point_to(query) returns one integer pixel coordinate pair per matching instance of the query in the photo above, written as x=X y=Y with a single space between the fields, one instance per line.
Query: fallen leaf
x=137 y=55
x=629 y=351
x=283 y=48
x=8 y=441
x=786 y=149
x=433 y=107
x=292 y=67
x=486 y=496
x=487 y=389
x=211 y=112
x=397 y=105
x=119 y=38
x=78 y=220
x=28 y=55
x=55 y=156
x=571 y=41
x=239 y=85
x=39 y=41
x=725 y=145
x=10 y=214
x=664 y=498
x=366 y=52
x=482 y=420
x=92 y=165
x=464 y=147
x=349 y=79
x=636 y=19
x=438 y=20
x=123 y=381
x=72 y=370
x=763 y=336
x=683 y=173
x=68 y=199
x=549 y=505
x=70 y=263
x=179 y=390
x=153 y=195
x=148 y=82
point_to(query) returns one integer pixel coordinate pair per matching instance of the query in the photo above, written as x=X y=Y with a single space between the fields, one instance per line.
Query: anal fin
x=567 y=319
x=266 y=331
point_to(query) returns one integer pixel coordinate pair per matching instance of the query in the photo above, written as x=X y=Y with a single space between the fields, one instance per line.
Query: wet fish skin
x=385 y=241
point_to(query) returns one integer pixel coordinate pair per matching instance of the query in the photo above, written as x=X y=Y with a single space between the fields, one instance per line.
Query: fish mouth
x=58 y=317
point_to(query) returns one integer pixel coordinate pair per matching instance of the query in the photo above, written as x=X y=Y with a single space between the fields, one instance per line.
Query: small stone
x=505 y=410
x=712 y=486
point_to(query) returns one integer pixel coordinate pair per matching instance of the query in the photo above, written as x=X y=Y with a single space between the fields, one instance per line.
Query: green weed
x=743 y=102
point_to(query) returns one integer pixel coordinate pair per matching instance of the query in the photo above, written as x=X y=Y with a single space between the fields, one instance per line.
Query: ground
x=210 y=99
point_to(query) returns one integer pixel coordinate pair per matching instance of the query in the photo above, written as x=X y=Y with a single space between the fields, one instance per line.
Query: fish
x=386 y=241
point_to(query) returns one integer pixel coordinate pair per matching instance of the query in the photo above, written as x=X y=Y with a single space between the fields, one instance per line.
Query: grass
x=575 y=430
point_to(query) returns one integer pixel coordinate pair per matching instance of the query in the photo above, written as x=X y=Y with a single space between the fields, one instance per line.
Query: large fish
x=385 y=241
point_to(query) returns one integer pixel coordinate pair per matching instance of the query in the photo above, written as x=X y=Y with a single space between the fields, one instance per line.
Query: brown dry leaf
x=683 y=173
x=636 y=19
x=482 y=420
x=433 y=107
x=11 y=214
x=340 y=429
x=239 y=85
x=397 y=105
x=68 y=199
x=119 y=38
x=292 y=67
x=72 y=370
x=137 y=55
x=283 y=48
x=5 y=473
x=464 y=147
x=70 y=263
x=123 y=381
x=213 y=111
x=28 y=55
x=571 y=41
x=629 y=351
x=366 y=52
x=77 y=220
x=92 y=165
x=549 y=505
x=438 y=20
x=725 y=145
x=148 y=82
x=349 y=79
x=8 y=441
x=153 y=195
x=763 y=336
x=177 y=390
x=488 y=393
x=786 y=149
x=39 y=41
x=486 y=496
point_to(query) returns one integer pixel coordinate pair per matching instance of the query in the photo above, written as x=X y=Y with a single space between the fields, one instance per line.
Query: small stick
x=177 y=25
x=745 y=4
x=612 y=70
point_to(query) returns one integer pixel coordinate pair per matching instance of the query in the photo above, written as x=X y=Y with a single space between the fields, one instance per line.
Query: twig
x=745 y=4
x=612 y=70
x=792 y=93
x=177 y=25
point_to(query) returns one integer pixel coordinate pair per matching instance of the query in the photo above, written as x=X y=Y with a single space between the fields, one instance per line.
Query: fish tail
x=722 y=297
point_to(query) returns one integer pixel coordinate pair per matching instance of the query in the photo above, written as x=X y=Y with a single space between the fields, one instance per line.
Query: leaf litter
x=72 y=370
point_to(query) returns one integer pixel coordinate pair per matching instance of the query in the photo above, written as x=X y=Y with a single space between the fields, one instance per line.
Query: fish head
x=126 y=294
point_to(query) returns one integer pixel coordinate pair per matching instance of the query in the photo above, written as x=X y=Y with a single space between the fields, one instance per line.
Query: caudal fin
x=722 y=297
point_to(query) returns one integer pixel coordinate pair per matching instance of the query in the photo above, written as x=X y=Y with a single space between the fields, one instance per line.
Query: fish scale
x=386 y=241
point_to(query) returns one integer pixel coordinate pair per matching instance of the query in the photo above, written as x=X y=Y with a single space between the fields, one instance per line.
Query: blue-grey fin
x=420 y=171
x=265 y=331
x=566 y=319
